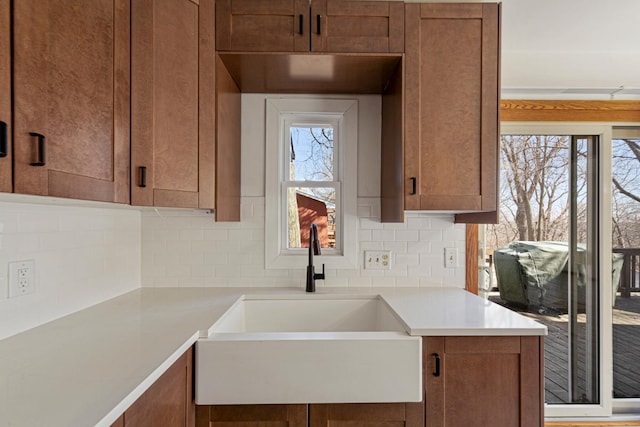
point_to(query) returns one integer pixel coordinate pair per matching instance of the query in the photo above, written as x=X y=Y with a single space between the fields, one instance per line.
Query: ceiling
x=580 y=49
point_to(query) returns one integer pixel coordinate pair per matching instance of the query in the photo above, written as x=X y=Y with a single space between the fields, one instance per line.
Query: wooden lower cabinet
x=168 y=402
x=484 y=381
x=251 y=416
x=314 y=415
x=495 y=381
x=367 y=414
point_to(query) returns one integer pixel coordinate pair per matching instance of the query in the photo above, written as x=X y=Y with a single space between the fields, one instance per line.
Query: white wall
x=182 y=248
x=83 y=255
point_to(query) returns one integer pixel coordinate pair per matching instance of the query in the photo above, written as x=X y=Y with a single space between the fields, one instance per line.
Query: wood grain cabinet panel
x=357 y=26
x=337 y=26
x=71 y=85
x=252 y=416
x=451 y=106
x=262 y=26
x=367 y=415
x=173 y=111
x=319 y=415
x=119 y=422
x=484 y=381
x=227 y=158
x=168 y=402
x=6 y=167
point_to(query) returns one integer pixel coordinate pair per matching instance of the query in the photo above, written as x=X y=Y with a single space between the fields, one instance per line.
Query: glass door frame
x=604 y=133
x=623 y=405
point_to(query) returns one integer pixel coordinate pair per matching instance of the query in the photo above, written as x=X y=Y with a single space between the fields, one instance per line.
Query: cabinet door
x=252 y=416
x=262 y=26
x=168 y=402
x=71 y=98
x=483 y=381
x=173 y=103
x=357 y=26
x=451 y=115
x=6 y=185
x=367 y=415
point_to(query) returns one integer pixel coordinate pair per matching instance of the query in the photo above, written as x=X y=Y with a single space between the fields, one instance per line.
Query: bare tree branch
x=625 y=192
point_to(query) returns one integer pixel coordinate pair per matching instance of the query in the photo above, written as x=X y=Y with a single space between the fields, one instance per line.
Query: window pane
x=306 y=206
x=584 y=286
x=626 y=261
x=311 y=153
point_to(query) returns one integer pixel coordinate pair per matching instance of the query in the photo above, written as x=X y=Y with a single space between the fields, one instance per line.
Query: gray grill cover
x=535 y=273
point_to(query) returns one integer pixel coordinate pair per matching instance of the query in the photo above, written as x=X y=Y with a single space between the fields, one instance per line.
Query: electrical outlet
x=450 y=257
x=22 y=278
x=377 y=260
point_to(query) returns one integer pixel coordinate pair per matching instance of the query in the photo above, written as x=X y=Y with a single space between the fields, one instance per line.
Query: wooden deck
x=626 y=348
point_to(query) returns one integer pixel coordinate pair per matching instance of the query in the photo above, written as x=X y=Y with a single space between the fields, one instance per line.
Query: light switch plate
x=451 y=257
x=377 y=260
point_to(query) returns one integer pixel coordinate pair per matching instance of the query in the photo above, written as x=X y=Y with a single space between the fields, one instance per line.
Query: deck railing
x=630 y=274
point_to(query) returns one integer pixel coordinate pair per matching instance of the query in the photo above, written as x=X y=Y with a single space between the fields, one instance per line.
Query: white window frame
x=280 y=113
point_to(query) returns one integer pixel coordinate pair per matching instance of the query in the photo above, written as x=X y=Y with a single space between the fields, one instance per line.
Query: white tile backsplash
x=182 y=248
x=206 y=253
x=84 y=255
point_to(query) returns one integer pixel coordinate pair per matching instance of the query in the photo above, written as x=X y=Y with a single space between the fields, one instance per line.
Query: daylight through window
x=311 y=183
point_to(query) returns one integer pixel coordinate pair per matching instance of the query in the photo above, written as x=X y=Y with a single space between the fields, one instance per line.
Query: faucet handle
x=319 y=276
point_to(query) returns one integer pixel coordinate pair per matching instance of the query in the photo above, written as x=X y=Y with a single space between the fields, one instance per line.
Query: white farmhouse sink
x=308 y=349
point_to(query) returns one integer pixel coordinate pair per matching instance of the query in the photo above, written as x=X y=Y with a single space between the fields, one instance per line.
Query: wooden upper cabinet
x=338 y=26
x=451 y=106
x=6 y=185
x=262 y=26
x=173 y=103
x=71 y=98
x=341 y=26
x=484 y=381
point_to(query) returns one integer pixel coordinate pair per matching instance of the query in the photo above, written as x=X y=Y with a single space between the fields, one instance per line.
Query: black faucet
x=314 y=249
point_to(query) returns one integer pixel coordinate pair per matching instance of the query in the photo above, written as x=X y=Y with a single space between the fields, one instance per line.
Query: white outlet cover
x=22 y=278
x=377 y=260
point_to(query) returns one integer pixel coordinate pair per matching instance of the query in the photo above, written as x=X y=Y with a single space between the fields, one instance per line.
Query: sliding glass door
x=625 y=221
x=548 y=257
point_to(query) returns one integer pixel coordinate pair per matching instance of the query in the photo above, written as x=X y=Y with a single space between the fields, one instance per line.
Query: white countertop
x=89 y=367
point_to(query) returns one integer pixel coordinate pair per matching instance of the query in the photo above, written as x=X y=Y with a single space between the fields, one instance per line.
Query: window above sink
x=311 y=177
